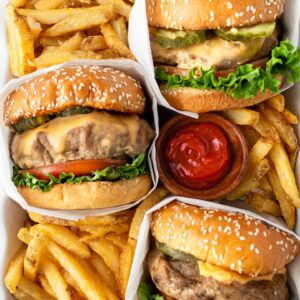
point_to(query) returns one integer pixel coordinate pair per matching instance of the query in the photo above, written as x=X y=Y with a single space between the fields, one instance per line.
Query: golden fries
x=284 y=129
x=272 y=139
x=43 y=33
x=14 y=272
x=277 y=102
x=20 y=43
x=242 y=116
x=287 y=208
x=285 y=173
x=81 y=21
x=113 y=41
x=264 y=205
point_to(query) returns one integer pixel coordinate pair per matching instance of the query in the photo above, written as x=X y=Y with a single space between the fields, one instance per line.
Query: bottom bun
x=200 y=101
x=89 y=195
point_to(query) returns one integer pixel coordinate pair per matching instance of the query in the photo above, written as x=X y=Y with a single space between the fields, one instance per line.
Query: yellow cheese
x=58 y=128
x=209 y=270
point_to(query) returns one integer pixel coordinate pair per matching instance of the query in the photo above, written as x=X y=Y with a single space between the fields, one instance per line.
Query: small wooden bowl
x=239 y=152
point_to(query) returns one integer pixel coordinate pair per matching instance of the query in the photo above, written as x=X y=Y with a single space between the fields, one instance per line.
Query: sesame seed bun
x=89 y=195
x=93 y=86
x=212 y=14
x=233 y=241
x=200 y=101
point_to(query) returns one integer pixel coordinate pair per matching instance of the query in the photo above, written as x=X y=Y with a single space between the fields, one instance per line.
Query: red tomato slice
x=78 y=167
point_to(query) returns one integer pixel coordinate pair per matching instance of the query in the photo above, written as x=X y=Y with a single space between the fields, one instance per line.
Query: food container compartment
x=129 y=67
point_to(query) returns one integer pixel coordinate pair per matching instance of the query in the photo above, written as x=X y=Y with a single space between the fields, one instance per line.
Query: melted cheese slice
x=212 y=52
x=209 y=270
x=58 y=128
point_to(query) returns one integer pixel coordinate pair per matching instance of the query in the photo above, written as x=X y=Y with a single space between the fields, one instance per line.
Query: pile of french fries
x=42 y=33
x=85 y=259
x=270 y=184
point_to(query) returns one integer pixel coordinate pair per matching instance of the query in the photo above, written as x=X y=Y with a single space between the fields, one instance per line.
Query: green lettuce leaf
x=145 y=291
x=137 y=167
x=246 y=81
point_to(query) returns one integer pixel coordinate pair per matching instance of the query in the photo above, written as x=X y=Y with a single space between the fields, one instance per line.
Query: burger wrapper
x=140 y=43
x=139 y=267
x=128 y=66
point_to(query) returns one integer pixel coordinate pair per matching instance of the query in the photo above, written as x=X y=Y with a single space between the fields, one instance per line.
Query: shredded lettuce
x=246 y=81
x=145 y=292
x=137 y=167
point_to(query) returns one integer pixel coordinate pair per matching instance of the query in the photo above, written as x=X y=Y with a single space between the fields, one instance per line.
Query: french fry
x=251 y=135
x=53 y=16
x=71 y=282
x=113 y=41
x=64 y=237
x=259 y=151
x=98 y=231
x=277 y=102
x=20 y=42
x=32 y=289
x=24 y=235
x=264 y=205
x=15 y=270
x=103 y=270
x=286 y=205
x=46 y=4
x=265 y=185
x=242 y=116
x=52 y=58
x=285 y=173
x=120 y=27
x=71 y=44
x=126 y=259
x=33 y=255
x=109 y=252
x=120 y=6
x=82 y=21
x=290 y=117
x=284 y=129
x=47 y=41
x=18 y=3
x=118 y=239
x=95 y=42
x=266 y=129
x=156 y=196
x=20 y=295
x=55 y=279
x=293 y=158
x=90 y=288
x=35 y=27
x=44 y=283
x=251 y=181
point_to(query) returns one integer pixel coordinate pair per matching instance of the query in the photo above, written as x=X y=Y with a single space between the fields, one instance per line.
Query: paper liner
x=138 y=36
x=128 y=66
x=139 y=267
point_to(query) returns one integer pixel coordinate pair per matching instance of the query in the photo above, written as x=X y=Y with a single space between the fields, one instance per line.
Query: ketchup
x=198 y=155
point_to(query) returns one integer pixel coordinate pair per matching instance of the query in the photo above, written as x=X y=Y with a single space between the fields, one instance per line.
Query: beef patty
x=181 y=280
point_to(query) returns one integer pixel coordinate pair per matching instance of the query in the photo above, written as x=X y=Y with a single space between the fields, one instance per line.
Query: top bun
x=231 y=240
x=94 y=86
x=211 y=14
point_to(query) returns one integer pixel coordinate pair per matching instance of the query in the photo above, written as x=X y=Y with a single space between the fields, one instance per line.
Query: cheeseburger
x=215 y=55
x=79 y=141
x=209 y=254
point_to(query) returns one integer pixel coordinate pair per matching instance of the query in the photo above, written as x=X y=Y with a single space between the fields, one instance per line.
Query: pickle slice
x=75 y=110
x=247 y=33
x=30 y=123
x=174 y=253
x=178 y=39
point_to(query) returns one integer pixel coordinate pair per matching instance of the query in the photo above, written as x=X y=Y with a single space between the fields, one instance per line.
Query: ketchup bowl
x=203 y=158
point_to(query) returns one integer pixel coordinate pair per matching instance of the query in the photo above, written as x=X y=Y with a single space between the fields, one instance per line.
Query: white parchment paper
x=128 y=66
x=139 y=42
x=139 y=267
